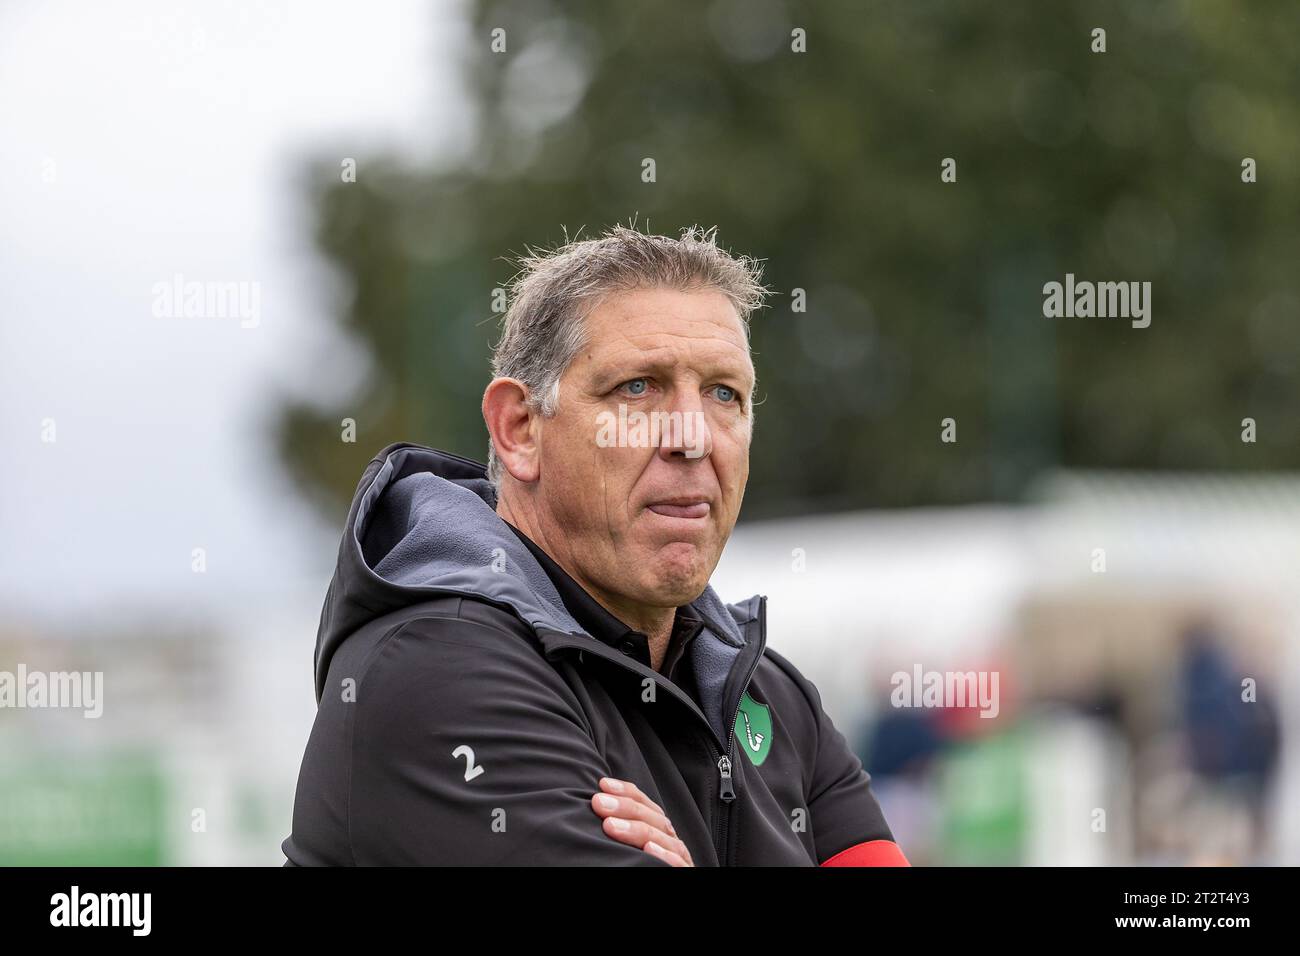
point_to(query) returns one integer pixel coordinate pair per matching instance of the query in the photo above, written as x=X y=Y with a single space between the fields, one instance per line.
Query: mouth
x=680 y=508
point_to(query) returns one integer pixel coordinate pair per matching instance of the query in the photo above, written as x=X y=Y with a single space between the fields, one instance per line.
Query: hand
x=643 y=822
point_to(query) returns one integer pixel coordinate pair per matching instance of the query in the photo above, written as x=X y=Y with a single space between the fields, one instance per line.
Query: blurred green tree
x=924 y=297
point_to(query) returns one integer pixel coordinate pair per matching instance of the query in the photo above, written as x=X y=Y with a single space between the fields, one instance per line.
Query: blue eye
x=633 y=382
x=725 y=393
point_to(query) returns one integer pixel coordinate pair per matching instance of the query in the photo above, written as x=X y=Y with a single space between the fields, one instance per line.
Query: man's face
x=646 y=525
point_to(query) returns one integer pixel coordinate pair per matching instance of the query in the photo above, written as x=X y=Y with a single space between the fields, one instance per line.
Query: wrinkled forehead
x=668 y=328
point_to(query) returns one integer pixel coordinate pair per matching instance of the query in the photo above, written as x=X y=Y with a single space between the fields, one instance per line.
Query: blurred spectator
x=1231 y=739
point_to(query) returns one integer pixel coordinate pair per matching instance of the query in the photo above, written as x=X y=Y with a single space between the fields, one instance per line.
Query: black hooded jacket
x=465 y=716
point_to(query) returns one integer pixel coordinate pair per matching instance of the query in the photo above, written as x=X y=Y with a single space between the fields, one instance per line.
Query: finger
x=636 y=833
x=626 y=788
x=608 y=805
x=682 y=852
x=668 y=856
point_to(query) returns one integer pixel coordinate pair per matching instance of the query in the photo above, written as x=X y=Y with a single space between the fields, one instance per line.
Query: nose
x=684 y=432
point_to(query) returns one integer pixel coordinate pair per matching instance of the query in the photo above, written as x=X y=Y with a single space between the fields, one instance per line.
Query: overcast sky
x=143 y=140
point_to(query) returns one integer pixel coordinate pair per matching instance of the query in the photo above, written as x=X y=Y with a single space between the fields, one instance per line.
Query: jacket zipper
x=726 y=788
x=726 y=792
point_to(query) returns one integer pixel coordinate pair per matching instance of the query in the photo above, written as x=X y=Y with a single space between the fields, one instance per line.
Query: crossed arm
x=526 y=783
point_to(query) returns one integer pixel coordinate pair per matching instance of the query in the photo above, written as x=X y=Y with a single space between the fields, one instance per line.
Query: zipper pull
x=724 y=768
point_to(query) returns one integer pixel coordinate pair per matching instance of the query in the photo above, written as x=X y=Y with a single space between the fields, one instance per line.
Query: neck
x=656 y=623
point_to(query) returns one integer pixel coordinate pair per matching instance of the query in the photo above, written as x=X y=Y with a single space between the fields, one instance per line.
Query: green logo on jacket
x=754 y=729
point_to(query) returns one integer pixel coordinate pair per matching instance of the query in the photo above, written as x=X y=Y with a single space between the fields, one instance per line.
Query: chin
x=680 y=574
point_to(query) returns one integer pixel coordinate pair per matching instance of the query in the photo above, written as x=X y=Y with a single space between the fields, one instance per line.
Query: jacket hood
x=423 y=524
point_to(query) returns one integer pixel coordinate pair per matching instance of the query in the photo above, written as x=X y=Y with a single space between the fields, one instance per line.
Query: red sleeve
x=871 y=853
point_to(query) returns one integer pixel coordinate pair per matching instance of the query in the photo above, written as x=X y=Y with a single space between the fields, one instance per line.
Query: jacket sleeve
x=848 y=826
x=468 y=749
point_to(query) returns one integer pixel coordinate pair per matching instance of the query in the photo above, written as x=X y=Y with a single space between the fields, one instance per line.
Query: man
x=525 y=664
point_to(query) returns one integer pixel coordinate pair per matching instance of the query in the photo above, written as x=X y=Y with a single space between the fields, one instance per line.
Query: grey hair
x=554 y=292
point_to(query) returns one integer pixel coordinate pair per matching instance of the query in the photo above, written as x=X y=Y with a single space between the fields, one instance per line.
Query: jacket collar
x=597 y=621
x=423 y=523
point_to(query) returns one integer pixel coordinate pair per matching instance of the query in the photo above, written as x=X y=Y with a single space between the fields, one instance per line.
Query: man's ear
x=511 y=423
